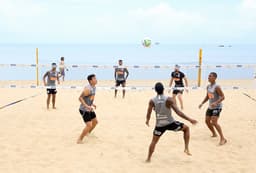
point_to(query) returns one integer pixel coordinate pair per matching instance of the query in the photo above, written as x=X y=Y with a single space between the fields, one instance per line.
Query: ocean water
x=132 y=54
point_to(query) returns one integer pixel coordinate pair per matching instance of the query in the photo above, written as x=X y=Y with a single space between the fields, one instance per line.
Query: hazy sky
x=127 y=21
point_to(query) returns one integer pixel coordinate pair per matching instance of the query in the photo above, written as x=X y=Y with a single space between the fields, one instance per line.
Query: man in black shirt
x=177 y=76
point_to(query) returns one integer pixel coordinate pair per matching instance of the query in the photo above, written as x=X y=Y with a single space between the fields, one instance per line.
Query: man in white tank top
x=215 y=96
x=162 y=105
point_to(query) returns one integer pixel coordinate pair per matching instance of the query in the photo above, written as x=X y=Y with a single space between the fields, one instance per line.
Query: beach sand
x=34 y=139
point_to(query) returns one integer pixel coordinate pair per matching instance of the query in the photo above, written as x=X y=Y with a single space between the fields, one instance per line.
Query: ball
x=146 y=42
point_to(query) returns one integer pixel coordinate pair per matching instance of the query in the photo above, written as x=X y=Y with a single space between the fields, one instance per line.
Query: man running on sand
x=215 y=96
x=162 y=105
x=87 y=107
x=52 y=77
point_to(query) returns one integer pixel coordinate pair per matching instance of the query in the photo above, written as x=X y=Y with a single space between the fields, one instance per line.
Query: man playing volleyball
x=215 y=96
x=177 y=76
x=162 y=105
x=52 y=77
x=87 y=107
x=62 y=68
x=121 y=74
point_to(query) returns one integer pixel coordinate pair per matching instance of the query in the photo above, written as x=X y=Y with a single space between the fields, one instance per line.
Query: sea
x=132 y=55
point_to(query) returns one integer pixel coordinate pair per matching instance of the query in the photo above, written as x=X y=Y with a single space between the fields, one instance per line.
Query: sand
x=34 y=139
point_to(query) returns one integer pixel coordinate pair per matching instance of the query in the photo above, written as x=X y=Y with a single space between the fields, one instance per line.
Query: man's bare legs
x=90 y=125
x=179 y=98
x=181 y=101
x=123 y=85
x=85 y=131
x=186 y=136
x=214 y=121
x=155 y=139
x=48 y=100
x=210 y=125
x=115 y=92
x=53 y=101
x=94 y=123
x=152 y=146
x=174 y=98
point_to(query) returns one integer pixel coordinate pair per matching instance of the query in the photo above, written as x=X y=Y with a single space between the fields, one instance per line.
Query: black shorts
x=175 y=126
x=120 y=82
x=51 y=91
x=213 y=112
x=87 y=116
x=177 y=91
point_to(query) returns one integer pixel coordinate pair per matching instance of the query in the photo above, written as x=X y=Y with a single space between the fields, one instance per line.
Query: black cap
x=54 y=65
x=177 y=66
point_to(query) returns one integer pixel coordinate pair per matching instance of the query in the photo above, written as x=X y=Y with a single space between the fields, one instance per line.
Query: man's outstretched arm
x=179 y=112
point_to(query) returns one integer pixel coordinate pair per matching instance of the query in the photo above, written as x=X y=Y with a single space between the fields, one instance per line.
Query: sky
x=128 y=21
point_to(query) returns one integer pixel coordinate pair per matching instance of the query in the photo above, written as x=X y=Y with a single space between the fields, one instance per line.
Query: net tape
x=138 y=66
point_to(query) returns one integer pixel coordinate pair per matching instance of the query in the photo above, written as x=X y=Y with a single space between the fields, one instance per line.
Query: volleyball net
x=145 y=72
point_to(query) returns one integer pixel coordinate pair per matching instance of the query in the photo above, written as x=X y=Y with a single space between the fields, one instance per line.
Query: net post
x=200 y=67
x=37 y=77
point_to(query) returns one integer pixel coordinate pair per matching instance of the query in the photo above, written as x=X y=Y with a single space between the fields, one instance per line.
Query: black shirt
x=178 y=78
